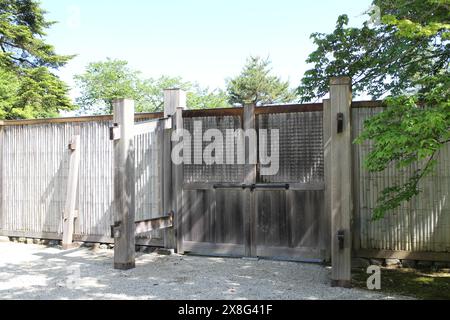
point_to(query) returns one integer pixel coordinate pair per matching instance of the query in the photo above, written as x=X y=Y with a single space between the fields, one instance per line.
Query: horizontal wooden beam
x=154 y=224
x=142 y=241
x=137 y=116
x=367 y=104
x=150 y=126
x=403 y=255
x=293 y=108
x=214 y=249
x=311 y=107
x=222 y=112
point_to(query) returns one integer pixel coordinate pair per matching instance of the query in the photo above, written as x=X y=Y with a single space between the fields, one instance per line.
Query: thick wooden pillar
x=341 y=181
x=174 y=104
x=124 y=185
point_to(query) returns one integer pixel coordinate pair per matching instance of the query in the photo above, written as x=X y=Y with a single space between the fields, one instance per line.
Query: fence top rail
x=274 y=109
x=367 y=104
x=238 y=111
x=138 y=116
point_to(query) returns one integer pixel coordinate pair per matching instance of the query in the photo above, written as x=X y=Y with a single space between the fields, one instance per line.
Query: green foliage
x=257 y=86
x=28 y=88
x=106 y=81
x=405 y=59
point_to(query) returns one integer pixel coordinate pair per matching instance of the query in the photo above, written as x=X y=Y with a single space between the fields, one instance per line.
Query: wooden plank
x=124 y=186
x=341 y=181
x=151 y=125
x=154 y=242
x=294 y=108
x=301 y=254
x=219 y=112
x=367 y=104
x=137 y=116
x=325 y=221
x=69 y=214
x=154 y=224
x=250 y=173
x=211 y=249
x=169 y=234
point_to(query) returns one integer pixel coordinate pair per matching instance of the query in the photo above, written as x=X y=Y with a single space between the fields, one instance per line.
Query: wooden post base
x=70 y=246
x=341 y=284
x=124 y=266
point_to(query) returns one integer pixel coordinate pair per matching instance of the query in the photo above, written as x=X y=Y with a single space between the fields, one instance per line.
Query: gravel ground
x=38 y=272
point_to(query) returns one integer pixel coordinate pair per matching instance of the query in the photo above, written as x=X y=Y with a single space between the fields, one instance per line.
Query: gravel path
x=37 y=272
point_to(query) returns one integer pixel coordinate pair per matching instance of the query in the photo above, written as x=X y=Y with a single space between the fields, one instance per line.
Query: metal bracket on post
x=341 y=239
x=340 y=122
x=114 y=132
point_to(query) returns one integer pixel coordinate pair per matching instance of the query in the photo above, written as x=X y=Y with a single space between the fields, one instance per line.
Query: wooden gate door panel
x=213 y=222
x=288 y=225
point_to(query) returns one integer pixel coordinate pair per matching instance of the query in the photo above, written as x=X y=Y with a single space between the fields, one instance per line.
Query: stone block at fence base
x=29 y=241
x=4 y=239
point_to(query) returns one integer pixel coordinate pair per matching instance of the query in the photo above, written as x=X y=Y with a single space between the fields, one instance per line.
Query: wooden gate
x=234 y=210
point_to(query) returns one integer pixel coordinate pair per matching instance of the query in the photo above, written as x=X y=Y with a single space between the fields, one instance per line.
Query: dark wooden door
x=279 y=217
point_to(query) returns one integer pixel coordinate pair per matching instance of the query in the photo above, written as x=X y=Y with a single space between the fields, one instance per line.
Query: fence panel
x=419 y=226
x=35 y=168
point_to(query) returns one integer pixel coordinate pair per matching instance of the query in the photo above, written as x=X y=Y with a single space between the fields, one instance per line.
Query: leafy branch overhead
x=405 y=59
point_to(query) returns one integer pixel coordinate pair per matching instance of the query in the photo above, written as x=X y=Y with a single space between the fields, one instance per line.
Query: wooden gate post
x=341 y=181
x=174 y=104
x=70 y=213
x=124 y=185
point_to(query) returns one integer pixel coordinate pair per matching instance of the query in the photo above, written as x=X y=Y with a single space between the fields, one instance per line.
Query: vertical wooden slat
x=325 y=221
x=250 y=171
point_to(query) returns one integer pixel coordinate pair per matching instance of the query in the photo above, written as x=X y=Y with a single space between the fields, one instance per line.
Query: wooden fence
x=34 y=165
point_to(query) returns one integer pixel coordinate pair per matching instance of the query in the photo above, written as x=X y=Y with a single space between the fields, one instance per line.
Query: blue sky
x=201 y=40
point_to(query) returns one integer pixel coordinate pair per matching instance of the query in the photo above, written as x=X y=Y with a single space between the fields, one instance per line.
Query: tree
x=256 y=85
x=26 y=63
x=405 y=59
x=103 y=82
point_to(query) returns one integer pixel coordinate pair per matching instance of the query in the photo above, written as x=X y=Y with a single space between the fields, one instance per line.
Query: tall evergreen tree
x=27 y=63
x=256 y=85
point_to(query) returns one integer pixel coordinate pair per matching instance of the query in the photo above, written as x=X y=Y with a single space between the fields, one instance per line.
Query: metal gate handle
x=253 y=186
